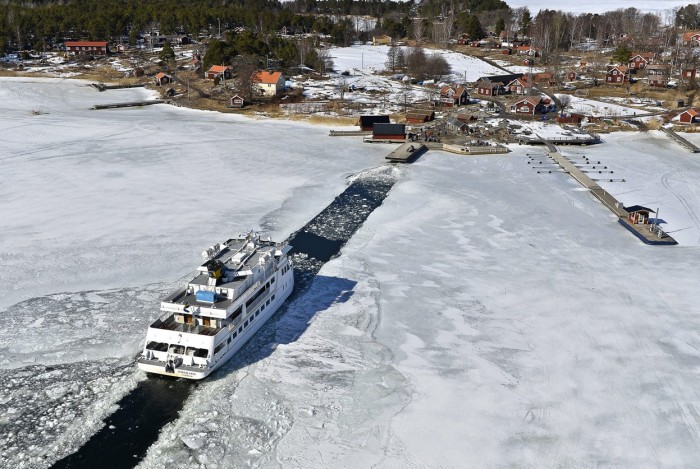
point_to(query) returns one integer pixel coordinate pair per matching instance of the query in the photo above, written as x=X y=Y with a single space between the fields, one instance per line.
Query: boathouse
x=389 y=132
x=638 y=214
x=367 y=122
x=689 y=116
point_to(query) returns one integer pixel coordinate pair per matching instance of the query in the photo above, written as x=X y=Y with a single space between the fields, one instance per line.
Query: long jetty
x=128 y=104
x=680 y=140
x=349 y=133
x=103 y=87
x=409 y=151
x=583 y=140
x=643 y=232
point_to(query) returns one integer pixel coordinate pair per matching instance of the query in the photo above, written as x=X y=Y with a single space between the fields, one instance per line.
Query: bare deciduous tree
x=342 y=86
x=303 y=46
x=325 y=62
x=418 y=30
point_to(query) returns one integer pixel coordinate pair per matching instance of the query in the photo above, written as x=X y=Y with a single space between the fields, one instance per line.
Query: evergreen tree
x=167 y=55
x=500 y=26
x=622 y=55
x=473 y=28
x=525 y=21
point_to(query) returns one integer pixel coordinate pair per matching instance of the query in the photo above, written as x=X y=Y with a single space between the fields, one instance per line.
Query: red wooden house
x=218 y=71
x=520 y=85
x=86 y=47
x=453 y=96
x=638 y=214
x=236 y=101
x=617 y=75
x=527 y=105
x=640 y=60
x=689 y=116
x=689 y=73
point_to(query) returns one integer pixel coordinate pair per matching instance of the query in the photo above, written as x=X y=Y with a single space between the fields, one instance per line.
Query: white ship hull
x=192 y=340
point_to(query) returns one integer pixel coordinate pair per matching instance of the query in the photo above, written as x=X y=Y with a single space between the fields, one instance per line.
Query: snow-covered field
x=597 y=108
x=484 y=316
x=370 y=59
x=366 y=69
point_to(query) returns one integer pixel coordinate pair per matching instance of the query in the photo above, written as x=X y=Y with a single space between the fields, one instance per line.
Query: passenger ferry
x=240 y=286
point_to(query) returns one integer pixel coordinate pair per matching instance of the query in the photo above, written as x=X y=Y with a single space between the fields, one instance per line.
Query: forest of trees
x=43 y=24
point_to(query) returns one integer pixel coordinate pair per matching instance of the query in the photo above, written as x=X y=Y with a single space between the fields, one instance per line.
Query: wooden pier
x=680 y=140
x=583 y=140
x=640 y=231
x=407 y=152
x=349 y=133
x=103 y=87
x=129 y=104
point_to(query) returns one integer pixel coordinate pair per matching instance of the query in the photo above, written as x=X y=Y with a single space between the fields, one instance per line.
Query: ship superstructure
x=240 y=286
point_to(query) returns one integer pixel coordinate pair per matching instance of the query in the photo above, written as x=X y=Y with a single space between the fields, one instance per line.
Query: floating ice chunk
x=194 y=441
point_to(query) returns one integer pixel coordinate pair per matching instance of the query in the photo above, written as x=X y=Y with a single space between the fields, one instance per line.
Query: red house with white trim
x=640 y=60
x=527 y=105
x=689 y=116
x=453 y=96
x=519 y=85
x=617 y=75
x=87 y=47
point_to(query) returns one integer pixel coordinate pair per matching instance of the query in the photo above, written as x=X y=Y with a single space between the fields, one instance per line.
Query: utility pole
x=219 y=20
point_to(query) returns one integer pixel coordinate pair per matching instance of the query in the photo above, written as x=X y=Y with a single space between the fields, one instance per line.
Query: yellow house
x=382 y=40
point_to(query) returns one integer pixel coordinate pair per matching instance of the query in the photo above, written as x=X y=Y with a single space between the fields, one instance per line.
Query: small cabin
x=163 y=79
x=236 y=102
x=638 y=214
x=689 y=116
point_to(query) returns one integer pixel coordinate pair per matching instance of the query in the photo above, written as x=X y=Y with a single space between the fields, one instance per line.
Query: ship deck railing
x=170 y=324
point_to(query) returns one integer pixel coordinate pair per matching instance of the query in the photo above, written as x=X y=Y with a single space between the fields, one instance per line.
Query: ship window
x=234 y=335
x=273 y=280
x=237 y=312
x=198 y=352
x=273 y=298
x=240 y=329
x=245 y=324
x=157 y=346
x=229 y=340
x=177 y=349
x=218 y=348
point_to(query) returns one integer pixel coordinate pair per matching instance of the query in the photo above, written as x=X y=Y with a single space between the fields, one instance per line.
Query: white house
x=268 y=83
